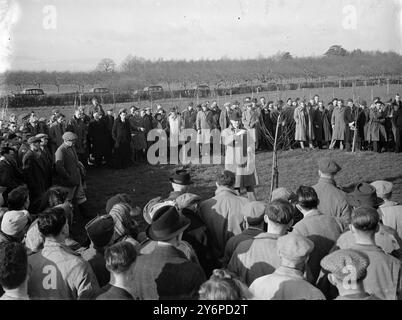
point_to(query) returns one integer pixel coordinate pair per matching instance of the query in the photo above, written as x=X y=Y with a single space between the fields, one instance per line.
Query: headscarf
x=124 y=225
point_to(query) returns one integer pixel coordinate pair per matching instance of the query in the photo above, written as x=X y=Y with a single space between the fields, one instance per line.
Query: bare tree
x=106 y=65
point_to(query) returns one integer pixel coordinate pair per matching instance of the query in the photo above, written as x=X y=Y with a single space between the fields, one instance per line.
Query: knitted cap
x=347 y=262
x=69 y=136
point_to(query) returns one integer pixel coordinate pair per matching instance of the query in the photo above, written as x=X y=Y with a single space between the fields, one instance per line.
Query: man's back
x=391 y=216
x=223 y=216
x=285 y=284
x=255 y=258
x=332 y=201
x=166 y=274
x=383 y=273
x=323 y=230
x=58 y=273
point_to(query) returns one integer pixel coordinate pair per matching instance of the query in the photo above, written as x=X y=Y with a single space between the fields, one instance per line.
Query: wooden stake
x=275 y=172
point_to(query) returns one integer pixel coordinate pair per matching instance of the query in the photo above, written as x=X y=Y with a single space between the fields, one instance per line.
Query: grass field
x=327 y=94
x=297 y=167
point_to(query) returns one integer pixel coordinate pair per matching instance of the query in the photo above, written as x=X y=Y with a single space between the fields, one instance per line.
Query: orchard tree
x=106 y=65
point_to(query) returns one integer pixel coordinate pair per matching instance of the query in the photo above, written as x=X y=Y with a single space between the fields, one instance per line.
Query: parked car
x=33 y=92
x=100 y=90
x=202 y=90
x=153 y=92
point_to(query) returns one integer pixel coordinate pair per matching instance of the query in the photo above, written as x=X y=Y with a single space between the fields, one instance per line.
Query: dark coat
x=46 y=160
x=350 y=116
x=41 y=127
x=376 y=128
x=99 y=138
x=34 y=173
x=189 y=118
x=109 y=120
x=166 y=274
x=10 y=175
x=322 y=126
x=80 y=127
x=67 y=166
x=110 y=292
x=121 y=132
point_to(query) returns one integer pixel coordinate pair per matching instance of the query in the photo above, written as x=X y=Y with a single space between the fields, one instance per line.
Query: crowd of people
x=312 y=244
x=316 y=243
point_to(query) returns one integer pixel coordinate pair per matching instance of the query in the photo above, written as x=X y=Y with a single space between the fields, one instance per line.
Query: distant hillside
x=134 y=73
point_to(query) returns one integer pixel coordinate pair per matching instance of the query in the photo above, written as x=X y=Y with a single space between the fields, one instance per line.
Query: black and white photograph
x=219 y=151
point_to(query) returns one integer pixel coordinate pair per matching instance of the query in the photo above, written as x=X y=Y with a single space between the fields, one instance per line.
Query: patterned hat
x=347 y=262
x=69 y=136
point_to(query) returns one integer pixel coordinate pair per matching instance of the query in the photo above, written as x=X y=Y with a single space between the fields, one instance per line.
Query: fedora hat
x=181 y=177
x=166 y=224
x=364 y=194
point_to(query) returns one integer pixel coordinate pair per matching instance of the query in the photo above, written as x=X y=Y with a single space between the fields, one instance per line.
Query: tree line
x=136 y=72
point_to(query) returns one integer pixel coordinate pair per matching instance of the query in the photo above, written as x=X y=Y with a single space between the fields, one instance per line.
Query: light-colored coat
x=391 y=215
x=223 y=216
x=333 y=201
x=255 y=258
x=338 y=123
x=59 y=273
x=323 y=230
x=301 y=124
x=285 y=284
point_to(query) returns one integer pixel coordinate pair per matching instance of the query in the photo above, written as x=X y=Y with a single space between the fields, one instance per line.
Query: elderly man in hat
x=322 y=229
x=240 y=155
x=390 y=211
x=287 y=281
x=253 y=225
x=346 y=271
x=100 y=231
x=386 y=237
x=56 y=132
x=165 y=273
x=332 y=200
x=71 y=171
x=34 y=170
x=258 y=256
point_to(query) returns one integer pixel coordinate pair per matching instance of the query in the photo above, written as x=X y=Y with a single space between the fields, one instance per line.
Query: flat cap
x=254 y=209
x=33 y=139
x=42 y=136
x=382 y=187
x=100 y=230
x=294 y=247
x=346 y=262
x=69 y=136
x=327 y=165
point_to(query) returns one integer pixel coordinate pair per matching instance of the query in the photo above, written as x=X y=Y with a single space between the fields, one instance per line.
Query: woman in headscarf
x=125 y=227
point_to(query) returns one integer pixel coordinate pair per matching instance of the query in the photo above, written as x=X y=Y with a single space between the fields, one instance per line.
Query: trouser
x=377 y=146
x=398 y=134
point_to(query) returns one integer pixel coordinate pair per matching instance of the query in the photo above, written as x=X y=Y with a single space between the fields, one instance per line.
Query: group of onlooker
x=316 y=243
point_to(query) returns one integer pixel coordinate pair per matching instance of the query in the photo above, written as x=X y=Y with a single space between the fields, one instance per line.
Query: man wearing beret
x=70 y=170
x=34 y=170
x=346 y=271
x=390 y=211
x=332 y=200
x=288 y=282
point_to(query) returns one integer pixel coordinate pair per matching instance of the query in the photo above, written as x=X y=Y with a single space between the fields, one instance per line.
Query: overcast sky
x=89 y=30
